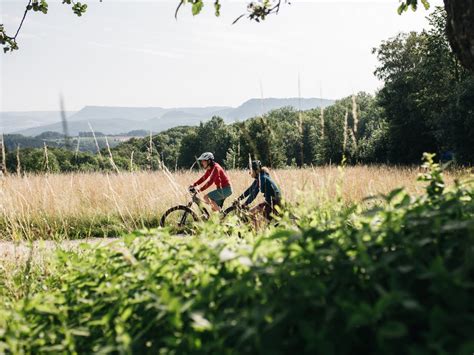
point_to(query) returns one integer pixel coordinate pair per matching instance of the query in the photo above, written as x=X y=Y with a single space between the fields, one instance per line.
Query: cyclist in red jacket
x=215 y=174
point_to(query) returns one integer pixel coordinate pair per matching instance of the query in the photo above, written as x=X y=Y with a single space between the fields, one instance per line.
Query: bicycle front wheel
x=179 y=219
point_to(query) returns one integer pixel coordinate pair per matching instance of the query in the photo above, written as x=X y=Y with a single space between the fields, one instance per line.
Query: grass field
x=71 y=206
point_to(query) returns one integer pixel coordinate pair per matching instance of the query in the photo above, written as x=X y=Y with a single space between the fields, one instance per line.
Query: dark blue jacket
x=265 y=185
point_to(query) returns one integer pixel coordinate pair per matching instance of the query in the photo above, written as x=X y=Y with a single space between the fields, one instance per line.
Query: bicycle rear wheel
x=235 y=211
x=179 y=219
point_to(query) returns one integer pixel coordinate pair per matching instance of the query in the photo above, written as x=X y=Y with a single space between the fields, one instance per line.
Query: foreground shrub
x=397 y=279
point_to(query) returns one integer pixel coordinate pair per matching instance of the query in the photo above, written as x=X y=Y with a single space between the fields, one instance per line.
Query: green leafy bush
x=396 y=279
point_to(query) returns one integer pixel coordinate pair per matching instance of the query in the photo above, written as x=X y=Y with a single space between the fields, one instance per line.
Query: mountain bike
x=237 y=209
x=181 y=219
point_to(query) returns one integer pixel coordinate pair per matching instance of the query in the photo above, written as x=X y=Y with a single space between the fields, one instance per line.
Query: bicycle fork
x=182 y=221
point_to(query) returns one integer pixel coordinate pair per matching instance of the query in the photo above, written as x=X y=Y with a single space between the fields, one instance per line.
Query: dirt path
x=20 y=251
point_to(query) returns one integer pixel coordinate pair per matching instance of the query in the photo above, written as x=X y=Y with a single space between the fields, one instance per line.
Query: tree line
x=426 y=104
x=284 y=137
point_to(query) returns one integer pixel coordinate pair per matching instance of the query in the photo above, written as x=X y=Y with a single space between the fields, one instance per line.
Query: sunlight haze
x=137 y=54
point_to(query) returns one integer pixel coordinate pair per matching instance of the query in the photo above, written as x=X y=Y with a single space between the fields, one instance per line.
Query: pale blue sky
x=130 y=53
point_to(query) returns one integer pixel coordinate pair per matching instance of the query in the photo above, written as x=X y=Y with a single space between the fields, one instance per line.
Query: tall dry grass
x=94 y=204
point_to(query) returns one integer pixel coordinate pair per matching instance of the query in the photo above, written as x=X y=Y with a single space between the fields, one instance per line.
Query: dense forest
x=426 y=104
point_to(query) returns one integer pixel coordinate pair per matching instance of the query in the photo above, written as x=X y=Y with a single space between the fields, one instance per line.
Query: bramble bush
x=394 y=279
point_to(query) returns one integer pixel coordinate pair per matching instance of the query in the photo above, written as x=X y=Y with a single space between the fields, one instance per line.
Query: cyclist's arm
x=218 y=179
x=202 y=178
x=252 y=193
x=244 y=194
x=248 y=191
x=212 y=179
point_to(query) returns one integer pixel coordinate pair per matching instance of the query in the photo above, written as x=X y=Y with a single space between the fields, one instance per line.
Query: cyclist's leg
x=217 y=197
x=208 y=199
x=258 y=214
x=272 y=209
x=276 y=207
x=213 y=198
x=220 y=203
x=224 y=193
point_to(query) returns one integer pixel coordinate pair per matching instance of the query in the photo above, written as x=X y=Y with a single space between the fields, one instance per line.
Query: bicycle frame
x=198 y=202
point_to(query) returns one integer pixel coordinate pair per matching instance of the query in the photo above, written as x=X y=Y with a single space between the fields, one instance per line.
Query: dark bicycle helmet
x=256 y=165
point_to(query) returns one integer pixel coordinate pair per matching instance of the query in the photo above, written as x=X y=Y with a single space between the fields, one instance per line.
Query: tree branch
x=9 y=43
x=177 y=9
x=23 y=19
x=237 y=19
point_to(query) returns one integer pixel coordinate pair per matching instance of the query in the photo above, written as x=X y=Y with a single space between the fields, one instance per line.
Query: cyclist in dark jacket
x=263 y=183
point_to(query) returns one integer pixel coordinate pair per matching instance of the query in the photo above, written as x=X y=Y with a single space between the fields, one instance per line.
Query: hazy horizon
x=109 y=58
x=173 y=107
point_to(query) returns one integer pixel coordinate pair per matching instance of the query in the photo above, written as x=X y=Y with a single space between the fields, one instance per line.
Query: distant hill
x=256 y=107
x=14 y=121
x=115 y=120
x=138 y=114
x=175 y=118
x=107 y=126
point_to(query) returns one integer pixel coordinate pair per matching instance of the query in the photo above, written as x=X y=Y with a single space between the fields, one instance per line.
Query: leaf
x=226 y=255
x=401 y=8
x=425 y=241
x=217 y=7
x=362 y=316
x=411 y=305
x=244 y=260
x=405 y=268
x=392 y=330
x=126 y=314
x=384 y=303
x=47 y=308
x=80 y=332
x=394 y=193
x=199 y=322
x=197 y=7
x=456 y=226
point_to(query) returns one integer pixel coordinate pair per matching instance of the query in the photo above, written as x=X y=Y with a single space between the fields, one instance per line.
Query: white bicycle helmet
x=206 y=156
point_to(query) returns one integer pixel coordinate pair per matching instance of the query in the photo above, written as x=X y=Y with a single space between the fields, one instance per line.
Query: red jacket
x=217 y=176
